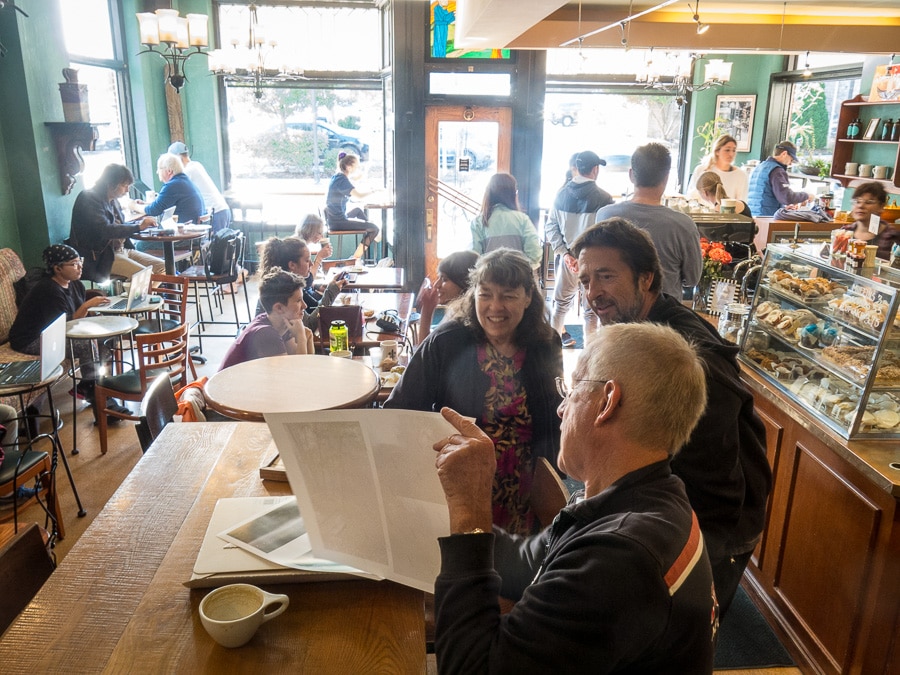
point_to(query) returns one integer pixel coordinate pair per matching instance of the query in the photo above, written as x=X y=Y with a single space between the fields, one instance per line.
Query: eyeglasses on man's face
x=73 y=263
x=563 y=389
x=866 y=202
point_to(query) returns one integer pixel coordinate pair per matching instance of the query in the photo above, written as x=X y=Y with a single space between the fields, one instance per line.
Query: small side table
x=94 y=328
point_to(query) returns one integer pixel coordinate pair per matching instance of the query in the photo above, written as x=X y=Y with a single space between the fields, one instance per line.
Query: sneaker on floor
x=117 y=408
x=567 y=341
x=23 y=493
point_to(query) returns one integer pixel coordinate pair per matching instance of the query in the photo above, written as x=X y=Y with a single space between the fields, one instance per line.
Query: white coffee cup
x=865 y=170
x=881 y=172
x=728 y=206
x=341 y=354
x=232 y=614
x=851 y=169
x=390 y=350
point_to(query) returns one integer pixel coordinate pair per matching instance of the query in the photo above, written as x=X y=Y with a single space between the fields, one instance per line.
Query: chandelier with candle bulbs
x=174 y=38
x=256 y=61
x=678 y=71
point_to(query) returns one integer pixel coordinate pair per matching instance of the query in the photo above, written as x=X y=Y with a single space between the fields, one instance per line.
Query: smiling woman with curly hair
x=496 y=359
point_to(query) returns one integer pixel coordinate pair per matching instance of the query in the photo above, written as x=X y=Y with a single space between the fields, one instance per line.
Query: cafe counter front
x=828 y=565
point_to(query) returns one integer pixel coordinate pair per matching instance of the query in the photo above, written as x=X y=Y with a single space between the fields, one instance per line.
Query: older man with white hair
x=620 y=582
x=212 y=198
x=177 y=191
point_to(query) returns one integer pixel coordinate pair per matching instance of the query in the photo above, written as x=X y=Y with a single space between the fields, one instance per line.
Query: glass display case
x=829 y=339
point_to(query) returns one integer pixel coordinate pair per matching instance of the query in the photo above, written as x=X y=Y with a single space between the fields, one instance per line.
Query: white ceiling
x=857 y=26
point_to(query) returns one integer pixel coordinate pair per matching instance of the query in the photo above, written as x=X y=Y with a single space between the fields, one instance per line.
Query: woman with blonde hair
x=312 y=231
x=721 y=162
x=292 y=255
x=712 y=190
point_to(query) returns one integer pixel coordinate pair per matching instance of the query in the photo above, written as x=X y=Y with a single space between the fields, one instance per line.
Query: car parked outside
x=339 y=138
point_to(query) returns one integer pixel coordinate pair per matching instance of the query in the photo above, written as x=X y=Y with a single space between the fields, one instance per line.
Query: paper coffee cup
x=729 y=205
x=341 y=354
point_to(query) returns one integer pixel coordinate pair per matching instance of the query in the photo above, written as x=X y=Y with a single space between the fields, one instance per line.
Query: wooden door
x=464 y=147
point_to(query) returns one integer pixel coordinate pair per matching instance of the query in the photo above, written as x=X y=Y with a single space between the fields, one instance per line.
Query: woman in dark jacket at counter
x=496 y=360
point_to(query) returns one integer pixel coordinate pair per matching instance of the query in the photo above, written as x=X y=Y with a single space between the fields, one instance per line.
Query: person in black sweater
x=723 y=464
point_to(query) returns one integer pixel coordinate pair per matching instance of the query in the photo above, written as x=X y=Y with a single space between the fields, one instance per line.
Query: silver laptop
x=53 y=351
x=138 y=295
x=165 y=218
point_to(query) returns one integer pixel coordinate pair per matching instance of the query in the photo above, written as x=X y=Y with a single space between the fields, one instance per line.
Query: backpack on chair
x=219 y=255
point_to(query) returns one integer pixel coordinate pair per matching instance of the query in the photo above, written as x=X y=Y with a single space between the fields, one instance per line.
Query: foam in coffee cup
x=232 y=614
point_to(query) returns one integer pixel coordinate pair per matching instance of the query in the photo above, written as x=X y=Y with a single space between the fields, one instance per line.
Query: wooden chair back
x=174 y=292
x=157 y=410
x=25 y=565
x=163 y=352
x=548 y=493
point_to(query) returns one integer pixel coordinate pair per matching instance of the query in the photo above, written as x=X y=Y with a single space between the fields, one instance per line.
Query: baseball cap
x=178 y=148
x=587 y=160
x=790 y=148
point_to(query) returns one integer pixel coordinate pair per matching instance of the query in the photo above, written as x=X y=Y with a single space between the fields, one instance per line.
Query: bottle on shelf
x=895 y=130
x=886 y=127
x=853 y=129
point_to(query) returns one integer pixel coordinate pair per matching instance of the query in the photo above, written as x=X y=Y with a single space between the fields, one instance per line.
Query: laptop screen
x=53 y=346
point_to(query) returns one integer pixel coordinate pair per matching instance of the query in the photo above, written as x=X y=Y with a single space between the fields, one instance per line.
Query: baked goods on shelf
x=809 y=289
x=857 y=359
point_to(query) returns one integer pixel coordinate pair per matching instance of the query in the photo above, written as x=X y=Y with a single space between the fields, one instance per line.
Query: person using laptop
x=198 y=174
x=178 y=190
x=58 y=291
x=100 y=234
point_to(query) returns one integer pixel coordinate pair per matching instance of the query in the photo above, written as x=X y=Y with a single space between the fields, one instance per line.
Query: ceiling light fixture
x=701 y=27
x=252 y=62
x=627 y=19
x=806 y=71
x=180 y=36
x=717 y=73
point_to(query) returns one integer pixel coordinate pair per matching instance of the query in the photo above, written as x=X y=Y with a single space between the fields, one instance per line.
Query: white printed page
x=367 y=487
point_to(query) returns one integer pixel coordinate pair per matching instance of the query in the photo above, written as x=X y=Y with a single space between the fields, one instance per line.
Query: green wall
x=749 y=75
x=29 y=184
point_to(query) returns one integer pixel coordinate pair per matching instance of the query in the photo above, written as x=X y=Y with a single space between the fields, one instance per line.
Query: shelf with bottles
x=830 y=340
x=874 y=150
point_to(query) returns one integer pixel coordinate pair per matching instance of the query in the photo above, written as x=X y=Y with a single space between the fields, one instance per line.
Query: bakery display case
x=829 y=340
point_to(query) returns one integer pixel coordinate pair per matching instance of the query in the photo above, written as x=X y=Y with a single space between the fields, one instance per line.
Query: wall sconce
x=179 y=35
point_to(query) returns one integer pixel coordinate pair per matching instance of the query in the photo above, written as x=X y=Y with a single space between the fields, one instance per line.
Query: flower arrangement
x=714 y=257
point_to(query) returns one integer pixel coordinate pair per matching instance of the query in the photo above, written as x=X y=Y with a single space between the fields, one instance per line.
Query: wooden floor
x=98 y=476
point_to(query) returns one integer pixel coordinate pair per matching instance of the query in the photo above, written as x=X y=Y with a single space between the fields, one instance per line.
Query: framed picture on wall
x=737 y=115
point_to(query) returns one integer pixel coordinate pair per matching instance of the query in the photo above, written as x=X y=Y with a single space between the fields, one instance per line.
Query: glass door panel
x=464 y=148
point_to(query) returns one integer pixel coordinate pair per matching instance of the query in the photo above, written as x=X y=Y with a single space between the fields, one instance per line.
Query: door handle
x=429 y=224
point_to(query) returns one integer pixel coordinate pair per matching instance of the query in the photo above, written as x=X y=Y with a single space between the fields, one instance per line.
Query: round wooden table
x=168 y=242
x=97 y=327
x=295 y=383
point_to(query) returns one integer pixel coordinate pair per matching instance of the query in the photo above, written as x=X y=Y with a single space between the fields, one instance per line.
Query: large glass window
x=593 y=102
x=285 y=133
x=89 y=37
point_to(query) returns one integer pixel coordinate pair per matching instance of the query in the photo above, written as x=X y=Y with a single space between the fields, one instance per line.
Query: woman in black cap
x=58 y=291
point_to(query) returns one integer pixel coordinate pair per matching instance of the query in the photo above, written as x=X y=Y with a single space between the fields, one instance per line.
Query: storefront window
x=284 y=135
x=594 y=102
x=88 y=34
